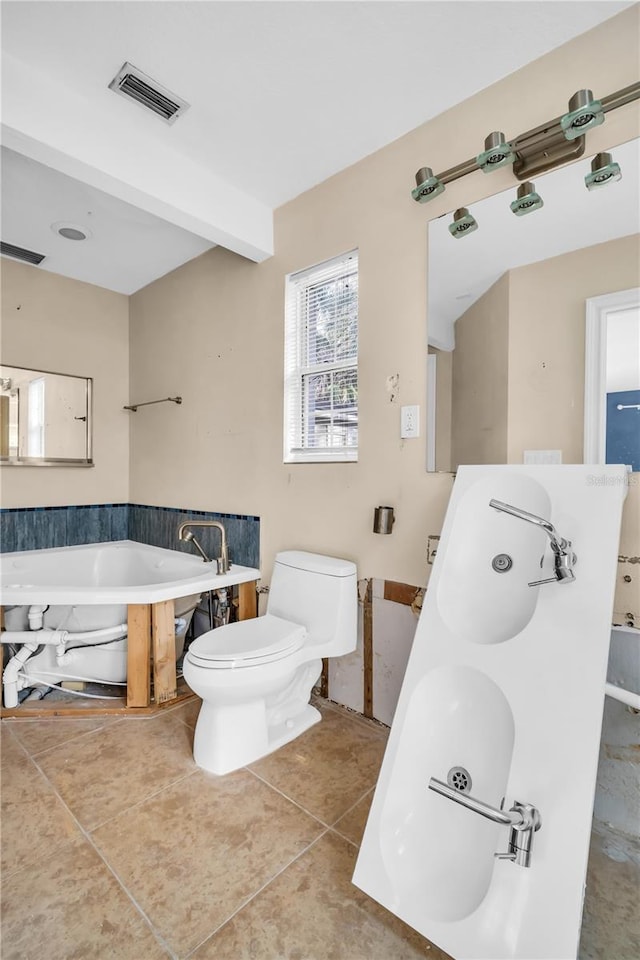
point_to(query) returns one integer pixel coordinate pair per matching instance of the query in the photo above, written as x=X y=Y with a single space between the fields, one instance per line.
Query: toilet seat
x=247 y=643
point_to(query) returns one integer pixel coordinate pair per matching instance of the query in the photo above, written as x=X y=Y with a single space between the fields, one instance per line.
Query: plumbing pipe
x=77 y=654
x=624 y=696
x=75 y=693
x=35 y=615
x=13 y=670
x=63 y=636
x=33 y=636
x=104 y=637
x=72 y=676
x=30 y=640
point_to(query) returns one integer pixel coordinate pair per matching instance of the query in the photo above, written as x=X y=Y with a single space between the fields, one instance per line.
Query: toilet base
x=230 y=735
x=290 y=729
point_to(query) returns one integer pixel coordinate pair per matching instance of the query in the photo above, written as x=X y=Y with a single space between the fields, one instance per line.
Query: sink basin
x=505 y=681
x=477 y=603
x=465 y=720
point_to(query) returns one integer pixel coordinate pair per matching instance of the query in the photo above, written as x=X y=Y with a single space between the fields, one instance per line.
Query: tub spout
x=186 y=534
x=188 y=537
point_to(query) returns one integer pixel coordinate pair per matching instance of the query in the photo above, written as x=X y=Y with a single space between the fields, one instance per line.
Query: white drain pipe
x=30 y=640
x=63 y=636
x=35 y=615
x=11 y=671
x=103 y=638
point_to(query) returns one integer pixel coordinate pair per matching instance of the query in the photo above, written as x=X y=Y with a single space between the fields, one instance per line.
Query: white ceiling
x=282 y=94
x=126 y=249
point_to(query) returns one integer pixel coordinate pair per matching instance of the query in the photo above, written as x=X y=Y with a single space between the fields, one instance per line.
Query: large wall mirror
x=45 y=418
x=507 y=323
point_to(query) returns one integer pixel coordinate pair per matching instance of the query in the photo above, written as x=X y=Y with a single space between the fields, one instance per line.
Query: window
x=35 y=418
x=321 y=362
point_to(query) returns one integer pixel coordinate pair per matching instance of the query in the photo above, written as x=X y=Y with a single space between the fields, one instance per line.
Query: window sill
x=349 y=455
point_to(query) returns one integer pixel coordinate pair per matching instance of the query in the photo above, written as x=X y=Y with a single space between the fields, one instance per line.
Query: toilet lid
x=247 y=643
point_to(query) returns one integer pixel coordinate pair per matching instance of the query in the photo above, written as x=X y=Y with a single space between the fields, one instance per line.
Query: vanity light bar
x=541 y=148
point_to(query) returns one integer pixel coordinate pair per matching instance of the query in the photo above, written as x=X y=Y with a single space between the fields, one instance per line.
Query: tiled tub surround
x=35 y=528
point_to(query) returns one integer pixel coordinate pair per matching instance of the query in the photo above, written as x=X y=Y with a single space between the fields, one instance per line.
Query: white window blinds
x=321 y=362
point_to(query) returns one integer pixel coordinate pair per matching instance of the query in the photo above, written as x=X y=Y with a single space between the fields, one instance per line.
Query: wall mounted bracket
x=134 y=406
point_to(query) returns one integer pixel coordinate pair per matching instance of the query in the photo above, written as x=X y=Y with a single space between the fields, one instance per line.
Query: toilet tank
x=320 y=593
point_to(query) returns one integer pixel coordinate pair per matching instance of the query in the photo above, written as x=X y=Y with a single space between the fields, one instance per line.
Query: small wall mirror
x=45 y=418
x=506 y=321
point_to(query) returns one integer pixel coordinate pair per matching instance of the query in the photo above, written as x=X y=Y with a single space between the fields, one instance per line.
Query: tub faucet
x=522 y=819
x=186 y=534
x=564 y=557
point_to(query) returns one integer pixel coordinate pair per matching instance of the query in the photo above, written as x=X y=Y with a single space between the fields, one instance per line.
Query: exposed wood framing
x=324 y=679
x=367 y=650
x=403 y=593
x=164 y=651
x=400 y=592
x=138 y=652
x=47 y=708
x=247 y=600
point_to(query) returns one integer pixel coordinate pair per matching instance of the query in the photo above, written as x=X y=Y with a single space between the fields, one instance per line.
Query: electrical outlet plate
x=409 y=422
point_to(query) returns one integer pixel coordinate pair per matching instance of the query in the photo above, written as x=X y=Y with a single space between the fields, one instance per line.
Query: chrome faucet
x=564 y=557
x=185 y=534
x=522 y=819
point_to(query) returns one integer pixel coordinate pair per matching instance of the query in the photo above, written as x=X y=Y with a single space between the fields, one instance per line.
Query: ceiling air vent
x=133 y=83
x=19 y=253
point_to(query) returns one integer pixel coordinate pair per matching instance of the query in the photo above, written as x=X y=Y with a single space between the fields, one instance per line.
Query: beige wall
x=535 y=316
x=53 y=323
x=213 y=331
x=546 y=369
x=547 y=342
x=480 y=382
x=518 y=366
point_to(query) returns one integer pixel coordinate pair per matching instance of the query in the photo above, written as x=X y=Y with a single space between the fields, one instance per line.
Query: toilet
x=255 y=676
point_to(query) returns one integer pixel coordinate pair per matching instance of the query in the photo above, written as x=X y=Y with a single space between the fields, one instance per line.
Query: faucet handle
x=563 y=572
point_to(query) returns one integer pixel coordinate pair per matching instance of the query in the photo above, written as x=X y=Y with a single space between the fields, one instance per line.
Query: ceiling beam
x=108 y=143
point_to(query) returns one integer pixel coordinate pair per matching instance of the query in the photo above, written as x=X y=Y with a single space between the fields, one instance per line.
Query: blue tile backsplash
x=34 y=528
x=159 y=527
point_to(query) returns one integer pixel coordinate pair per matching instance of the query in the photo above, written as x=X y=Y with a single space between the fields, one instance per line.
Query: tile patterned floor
x=115 y=845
